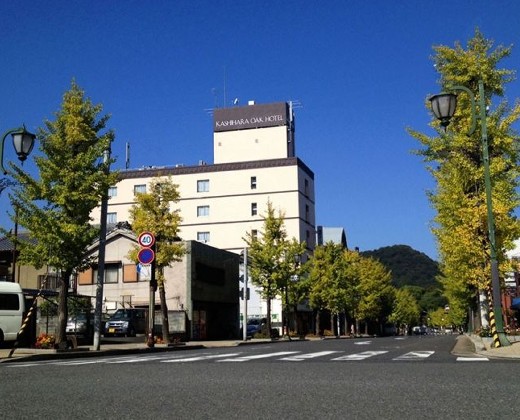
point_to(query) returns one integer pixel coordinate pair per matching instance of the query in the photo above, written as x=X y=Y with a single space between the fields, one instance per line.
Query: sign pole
x=151 y=307
x=146 y=255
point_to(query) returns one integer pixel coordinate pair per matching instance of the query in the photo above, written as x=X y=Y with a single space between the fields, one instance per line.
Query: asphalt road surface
x=386 y=378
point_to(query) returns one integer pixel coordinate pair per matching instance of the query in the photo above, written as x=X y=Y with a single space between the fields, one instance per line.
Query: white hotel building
x=254 y=162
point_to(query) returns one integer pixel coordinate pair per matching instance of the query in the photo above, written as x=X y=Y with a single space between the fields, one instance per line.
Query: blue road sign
x=146 y=255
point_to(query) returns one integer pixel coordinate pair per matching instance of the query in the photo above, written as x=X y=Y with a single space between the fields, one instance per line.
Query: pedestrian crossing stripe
x=136 y=359
x=415 y=355
x=361 y=356
x=472 y=359
x=199 y=358
x=300 y=357
x=258 y=356
x=363 y=343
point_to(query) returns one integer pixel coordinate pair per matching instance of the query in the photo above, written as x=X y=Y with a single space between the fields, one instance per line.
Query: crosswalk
x=243 y=357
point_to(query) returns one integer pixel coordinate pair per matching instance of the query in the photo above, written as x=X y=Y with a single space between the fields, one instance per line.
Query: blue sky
x=360 y=69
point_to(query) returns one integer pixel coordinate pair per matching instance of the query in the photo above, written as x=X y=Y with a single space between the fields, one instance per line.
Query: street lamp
x=443 y=107
x=23 y=143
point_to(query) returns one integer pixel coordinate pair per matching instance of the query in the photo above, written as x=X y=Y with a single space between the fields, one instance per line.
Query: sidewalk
x=482 y=346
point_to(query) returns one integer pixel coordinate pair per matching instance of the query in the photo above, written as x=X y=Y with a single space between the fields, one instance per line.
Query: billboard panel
x=251 y=116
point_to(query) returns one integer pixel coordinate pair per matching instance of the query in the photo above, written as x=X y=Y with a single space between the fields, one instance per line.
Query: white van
x=12 y=307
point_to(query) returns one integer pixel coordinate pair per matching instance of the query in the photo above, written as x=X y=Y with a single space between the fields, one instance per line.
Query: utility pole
x=101 y=260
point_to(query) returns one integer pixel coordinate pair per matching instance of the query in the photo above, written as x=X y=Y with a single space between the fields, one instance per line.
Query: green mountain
x=408 y=266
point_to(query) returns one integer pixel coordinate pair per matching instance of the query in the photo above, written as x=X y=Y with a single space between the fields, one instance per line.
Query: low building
x=201 y=290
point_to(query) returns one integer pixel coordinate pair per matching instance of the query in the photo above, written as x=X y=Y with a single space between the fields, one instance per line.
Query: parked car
x=126 y=322
x=420 y=330
x=81 y=325
x=254 y=325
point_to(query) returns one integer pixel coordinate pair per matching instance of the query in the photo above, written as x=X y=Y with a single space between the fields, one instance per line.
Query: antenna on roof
x=127 y=156
x=214 y=91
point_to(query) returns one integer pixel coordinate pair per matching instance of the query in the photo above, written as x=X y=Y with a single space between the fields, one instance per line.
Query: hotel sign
x=251 y=116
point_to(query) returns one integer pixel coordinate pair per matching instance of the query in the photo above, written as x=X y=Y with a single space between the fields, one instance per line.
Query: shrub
x=45 y=341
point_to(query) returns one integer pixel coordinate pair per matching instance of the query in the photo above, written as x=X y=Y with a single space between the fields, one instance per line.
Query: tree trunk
x=164 y=312
x=299 y=328
x=63 y=314
x=317 y=327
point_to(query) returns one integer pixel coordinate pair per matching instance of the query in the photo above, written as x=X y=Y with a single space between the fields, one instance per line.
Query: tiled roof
x=7 y=245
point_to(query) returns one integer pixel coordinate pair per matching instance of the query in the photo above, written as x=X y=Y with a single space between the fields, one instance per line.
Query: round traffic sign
x=146 y=255
x=146 y=239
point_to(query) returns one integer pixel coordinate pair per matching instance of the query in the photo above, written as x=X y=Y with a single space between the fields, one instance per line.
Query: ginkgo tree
x=272 y=257
x=406 y=311
x=153 y=213
x=333 y=281
x=343 y=281
x=56 y=207
x=375 y=293
x=455 y=160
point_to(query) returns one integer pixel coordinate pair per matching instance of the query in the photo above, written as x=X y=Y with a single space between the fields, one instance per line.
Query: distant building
x=335 y=235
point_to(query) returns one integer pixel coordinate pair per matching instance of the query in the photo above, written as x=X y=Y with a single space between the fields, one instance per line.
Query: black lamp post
x=443 y=107
x=23 y=143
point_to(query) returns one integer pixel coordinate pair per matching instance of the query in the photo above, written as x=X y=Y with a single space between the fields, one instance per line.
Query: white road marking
x=199 y=358
x=360 y=356
x=258 y=356
x=137 y=359
x=472 y=359
x=415 y=355
x=362 y=343
x=300 y=357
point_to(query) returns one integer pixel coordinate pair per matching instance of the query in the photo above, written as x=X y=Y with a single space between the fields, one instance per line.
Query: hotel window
x=203 y=236
x=139 y=189
x=254 y=234
x=254 y=209
x=306 y=186
x=111 y=218
x=203 y=185
x=202 y=211
x=306 y=212
x=253 y=182
x=112 y=191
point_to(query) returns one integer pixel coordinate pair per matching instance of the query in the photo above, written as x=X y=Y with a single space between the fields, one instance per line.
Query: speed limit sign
x=146 y=239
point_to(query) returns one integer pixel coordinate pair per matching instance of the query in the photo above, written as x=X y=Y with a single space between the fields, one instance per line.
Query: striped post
x=28 y=316
x=492 y=321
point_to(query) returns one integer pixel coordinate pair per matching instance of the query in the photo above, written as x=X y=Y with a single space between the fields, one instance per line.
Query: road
x=388 y=378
